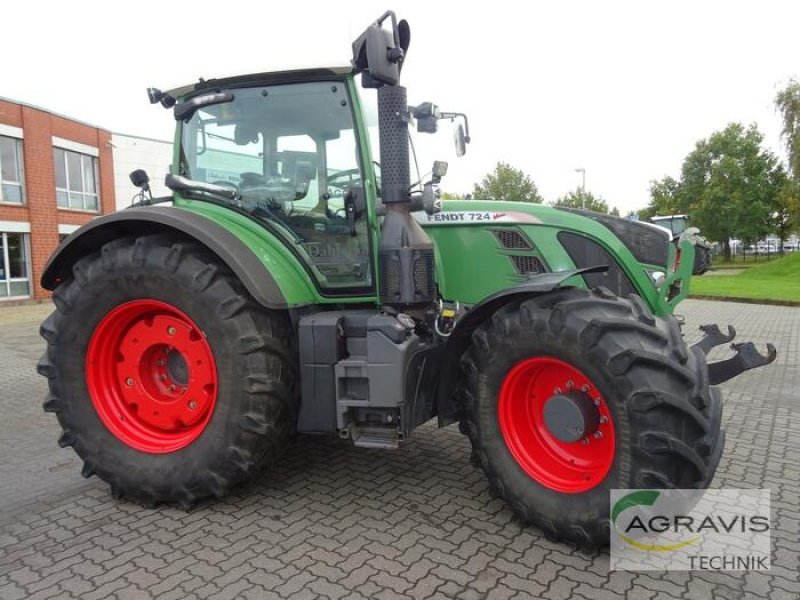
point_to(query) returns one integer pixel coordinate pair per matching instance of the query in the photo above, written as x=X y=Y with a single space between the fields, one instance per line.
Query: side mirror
x=140 y=179
x=461 y=141
x=379 y=53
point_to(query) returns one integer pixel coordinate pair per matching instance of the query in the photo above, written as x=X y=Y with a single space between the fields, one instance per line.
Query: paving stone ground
x=336 y=521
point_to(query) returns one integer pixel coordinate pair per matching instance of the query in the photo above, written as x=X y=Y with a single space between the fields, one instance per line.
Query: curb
x=768 y=301
x=24 y=302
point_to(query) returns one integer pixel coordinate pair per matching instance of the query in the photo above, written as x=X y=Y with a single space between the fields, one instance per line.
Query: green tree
x=582 y=199
x=730 y=185
x=788 y=104
x=786 y=211
x=663 y=199
x=507 y=183
x=454 y=196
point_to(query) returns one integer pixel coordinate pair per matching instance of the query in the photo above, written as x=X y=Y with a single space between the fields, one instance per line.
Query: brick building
x=55 y=175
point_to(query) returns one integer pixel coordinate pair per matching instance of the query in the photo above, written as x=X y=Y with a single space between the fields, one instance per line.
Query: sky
x=621 y=89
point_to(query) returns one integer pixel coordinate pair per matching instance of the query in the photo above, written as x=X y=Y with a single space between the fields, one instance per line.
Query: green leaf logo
x=643 y=498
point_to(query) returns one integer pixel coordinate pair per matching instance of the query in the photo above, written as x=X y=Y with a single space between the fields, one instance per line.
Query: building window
x=76 y=180
x=14 y=271
x=11 y=178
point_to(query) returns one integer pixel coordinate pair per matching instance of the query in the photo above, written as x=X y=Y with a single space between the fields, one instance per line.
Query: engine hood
x=648 y=243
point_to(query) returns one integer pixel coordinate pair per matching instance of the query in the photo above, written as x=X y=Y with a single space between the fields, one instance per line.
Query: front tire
x=651 y=419
x=168 y=380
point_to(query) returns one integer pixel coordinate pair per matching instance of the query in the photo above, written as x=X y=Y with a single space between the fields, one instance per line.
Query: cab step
x=386 y=438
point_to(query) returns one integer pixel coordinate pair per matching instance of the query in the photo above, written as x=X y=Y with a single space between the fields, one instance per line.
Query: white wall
x=132 y=152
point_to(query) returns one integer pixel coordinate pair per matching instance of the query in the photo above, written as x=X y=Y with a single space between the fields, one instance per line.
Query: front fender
x=461 y=336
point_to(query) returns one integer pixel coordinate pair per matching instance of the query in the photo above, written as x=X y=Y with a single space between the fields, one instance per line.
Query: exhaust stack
x=405 y=251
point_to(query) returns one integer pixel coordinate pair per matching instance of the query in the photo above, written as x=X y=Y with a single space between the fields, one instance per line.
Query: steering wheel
x=351 y=177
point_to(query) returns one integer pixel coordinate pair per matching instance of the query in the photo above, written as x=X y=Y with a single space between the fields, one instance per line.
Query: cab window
x=291 y=152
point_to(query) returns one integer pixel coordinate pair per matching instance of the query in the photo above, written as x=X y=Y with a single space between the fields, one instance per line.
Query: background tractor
x=678 y=224
x=297 y=282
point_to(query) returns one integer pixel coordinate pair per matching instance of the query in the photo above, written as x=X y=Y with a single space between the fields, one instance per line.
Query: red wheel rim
x=569 y=467
x=151 y=376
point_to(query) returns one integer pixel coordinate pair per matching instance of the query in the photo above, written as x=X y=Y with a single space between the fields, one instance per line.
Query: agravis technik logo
x=722 y=529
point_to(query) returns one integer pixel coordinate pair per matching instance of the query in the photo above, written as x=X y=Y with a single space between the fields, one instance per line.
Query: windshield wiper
x=178 y=183
x=183 y=111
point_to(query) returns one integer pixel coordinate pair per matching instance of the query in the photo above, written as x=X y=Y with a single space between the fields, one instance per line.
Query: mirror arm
x=395 y=34
x=454 y=115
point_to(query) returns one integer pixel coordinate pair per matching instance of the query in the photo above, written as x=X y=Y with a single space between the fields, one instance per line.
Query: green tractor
x=298 y=281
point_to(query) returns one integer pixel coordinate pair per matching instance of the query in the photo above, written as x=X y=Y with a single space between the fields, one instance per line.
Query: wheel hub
x=177 y=369
x=151 y=376
x=572 y=416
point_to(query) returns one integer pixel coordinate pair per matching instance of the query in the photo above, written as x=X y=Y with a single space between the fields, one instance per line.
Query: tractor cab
x=677 y=224
x=290 y=155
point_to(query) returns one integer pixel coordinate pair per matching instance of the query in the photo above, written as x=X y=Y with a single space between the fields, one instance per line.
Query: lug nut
x=585 y=441
x=192 y=404
x=129 y=381
x=598 y=435
x=171 y=388
x=584 y=388
x=162 y=377
x=570 y=385
x=603 y=420
x=557 y=391
x=171 y=330
x=597 y=401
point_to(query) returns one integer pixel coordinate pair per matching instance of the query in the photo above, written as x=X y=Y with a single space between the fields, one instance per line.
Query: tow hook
x=746 y=358
x=714 y=337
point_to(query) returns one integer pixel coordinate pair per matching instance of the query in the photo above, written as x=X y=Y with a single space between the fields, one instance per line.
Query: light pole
x=582 y=171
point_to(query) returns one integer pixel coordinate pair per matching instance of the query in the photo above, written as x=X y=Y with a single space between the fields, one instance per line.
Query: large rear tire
x=168 y=380
x=702 y=259
x=652 y=421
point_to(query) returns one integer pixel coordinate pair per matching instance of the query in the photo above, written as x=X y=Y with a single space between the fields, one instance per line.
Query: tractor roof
x=275 y=77
x=665 y=217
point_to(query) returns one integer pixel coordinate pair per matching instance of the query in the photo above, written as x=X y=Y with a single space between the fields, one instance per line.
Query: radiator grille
x=588 y=253
x=527 y=265
x=512 y=239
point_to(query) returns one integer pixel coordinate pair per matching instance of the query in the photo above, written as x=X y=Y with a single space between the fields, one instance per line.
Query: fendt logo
x=690 y=529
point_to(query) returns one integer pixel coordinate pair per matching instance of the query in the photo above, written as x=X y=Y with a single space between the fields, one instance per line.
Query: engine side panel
x=481 y=250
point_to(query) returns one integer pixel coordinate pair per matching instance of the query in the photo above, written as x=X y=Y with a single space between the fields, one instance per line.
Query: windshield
x=291 y=153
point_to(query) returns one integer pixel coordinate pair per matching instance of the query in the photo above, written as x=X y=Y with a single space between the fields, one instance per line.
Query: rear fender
x=262 y=284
